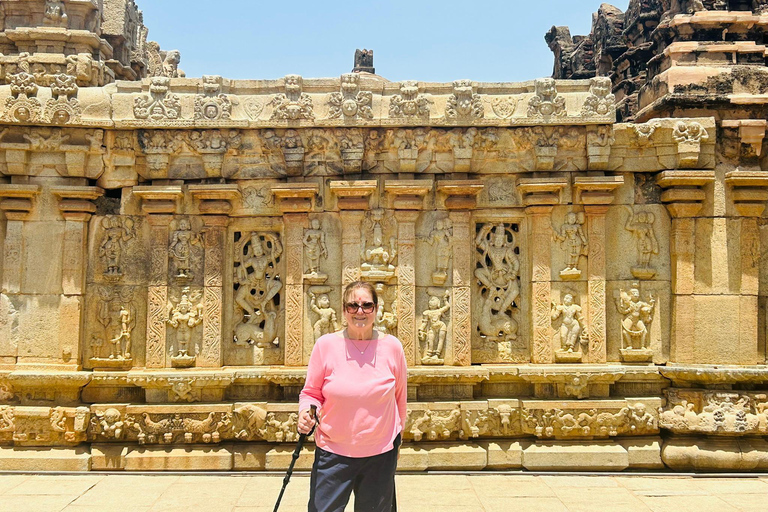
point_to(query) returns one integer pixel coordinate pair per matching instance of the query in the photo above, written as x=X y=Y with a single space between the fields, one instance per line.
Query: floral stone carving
x=409 y=103
x=350 y=102
x=464 y=103
x=293 y=104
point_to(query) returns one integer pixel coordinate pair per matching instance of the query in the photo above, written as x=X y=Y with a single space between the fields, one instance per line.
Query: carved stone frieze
x=718 y=413
x=410 y=103
x=350 y=102
x=464 y=103
x=294 y=103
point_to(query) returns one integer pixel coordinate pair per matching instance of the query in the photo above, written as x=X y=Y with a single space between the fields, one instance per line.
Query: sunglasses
x=352 y=307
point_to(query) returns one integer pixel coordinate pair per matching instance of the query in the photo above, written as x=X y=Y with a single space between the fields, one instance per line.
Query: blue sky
x=440 y=41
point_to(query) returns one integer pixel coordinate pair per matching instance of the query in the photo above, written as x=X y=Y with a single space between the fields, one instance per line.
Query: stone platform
x=416 y=493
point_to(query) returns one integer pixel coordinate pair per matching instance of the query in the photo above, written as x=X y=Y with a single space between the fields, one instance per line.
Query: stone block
x=413 y=458
x=712 y=454
x=722 y=333
x=467 y=457
x=575 y=456
x=45 y=459
x=250 y=457
x=504 y=454
x=187 y=458
x=644 y=452
x=108 y=457
x=279 y=456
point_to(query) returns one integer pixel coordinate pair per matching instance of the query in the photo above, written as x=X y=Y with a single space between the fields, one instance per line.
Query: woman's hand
x=306 y=421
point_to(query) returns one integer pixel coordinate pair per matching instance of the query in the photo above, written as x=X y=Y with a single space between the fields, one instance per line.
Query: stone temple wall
x=571 y=292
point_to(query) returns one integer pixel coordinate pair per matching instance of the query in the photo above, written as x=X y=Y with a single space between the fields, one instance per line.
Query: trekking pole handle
x=313 y=413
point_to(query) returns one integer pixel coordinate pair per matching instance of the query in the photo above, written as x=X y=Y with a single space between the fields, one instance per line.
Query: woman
x=357 y=379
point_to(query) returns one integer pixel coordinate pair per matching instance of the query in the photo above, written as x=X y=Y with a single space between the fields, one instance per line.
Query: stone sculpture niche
x=111 y=346
x=573 y=241
x=386 y=314
x=315 y=249
x=433 y=330
x=497 y=273
x=117 y=232
x=635 y=324
x=640 y=224
x=257 y=287
x=440 y=239
x=571 y=335
x=320 y=304
x=379 y=246
x=180 y=249
x=183 y=317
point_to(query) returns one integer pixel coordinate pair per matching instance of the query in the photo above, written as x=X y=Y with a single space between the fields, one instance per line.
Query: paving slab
x=473 y=492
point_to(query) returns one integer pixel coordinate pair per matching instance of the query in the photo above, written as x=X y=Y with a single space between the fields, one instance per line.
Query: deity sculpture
x=121 y=344
x=571 y=330
x=573 y=241
x=433 y=330
x=386 y=317
x=440 y=238
x=641 y=227
x=635 y=325
x=184 y=317
x=109 y=423
x=498 y=272
x=314 y=249
x=180 y=249
x=55 y=15
x=116 y=313
x=117 y=232
x=258 y=282
x=328 y=322
x=379 y=246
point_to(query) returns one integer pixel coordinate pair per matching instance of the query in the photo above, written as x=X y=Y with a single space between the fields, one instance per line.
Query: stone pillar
x=352 y=198
x=683 y=197
x=597 y=351
x=159 y=204
x=406 y=283
x=540 y=195
x=215 y=204
x=541 y=283
x=596 y=193
x=295 y=201
x=76 y=207
x=17 y=203
x=460 y=198
x=294 y=223
x=461 y=290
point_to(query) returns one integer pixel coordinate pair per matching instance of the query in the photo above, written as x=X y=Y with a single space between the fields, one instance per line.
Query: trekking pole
x=295 y=456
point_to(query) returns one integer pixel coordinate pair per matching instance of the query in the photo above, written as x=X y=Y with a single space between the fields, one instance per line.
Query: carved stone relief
x=160 y=104
x=111 y=344
x=315 y=250
x=433 y=330
x=464 y=103
x=293 y=104
x=22 y=106
x=410 y=103
x=573 y=241
x=635 y=324
x=350 y=102
x=182 y=249
x=326 y=320
x=378 y=244
x=118 y=231
x=546 y=102
x=386 y=314
x=497 y=284
x=184 y=314
x=212 y=105
x=600 y=100
x=63 y=108
x=257 y=287
x=640 y=224
x=719 y=413
x=571 y=335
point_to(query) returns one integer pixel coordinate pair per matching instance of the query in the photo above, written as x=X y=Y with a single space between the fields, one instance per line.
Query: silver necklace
x=355 y=344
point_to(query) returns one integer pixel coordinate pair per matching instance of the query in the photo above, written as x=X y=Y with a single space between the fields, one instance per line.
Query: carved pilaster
x=76 y=206
x=406 y=283
x=294 y=223
x=17 y=201
x=541 y=284
x=157 y=291
x=214 y=203
x=683 y=196
x=461 y=313
x=159 y=203
x=350 y=245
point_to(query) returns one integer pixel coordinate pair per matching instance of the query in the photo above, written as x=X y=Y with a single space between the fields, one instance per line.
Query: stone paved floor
x=416 y=493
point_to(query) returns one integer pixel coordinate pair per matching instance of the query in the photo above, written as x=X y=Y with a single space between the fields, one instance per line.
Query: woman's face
x=360 y=321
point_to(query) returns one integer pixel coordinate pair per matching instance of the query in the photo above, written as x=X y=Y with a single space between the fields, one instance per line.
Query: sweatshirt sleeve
x=312 y=393
x=401 y=386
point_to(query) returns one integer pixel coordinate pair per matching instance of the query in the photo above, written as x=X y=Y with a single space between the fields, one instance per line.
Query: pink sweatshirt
x=360 y=398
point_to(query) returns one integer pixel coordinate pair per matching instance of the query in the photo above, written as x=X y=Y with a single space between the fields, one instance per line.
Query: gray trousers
x=372 y=479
